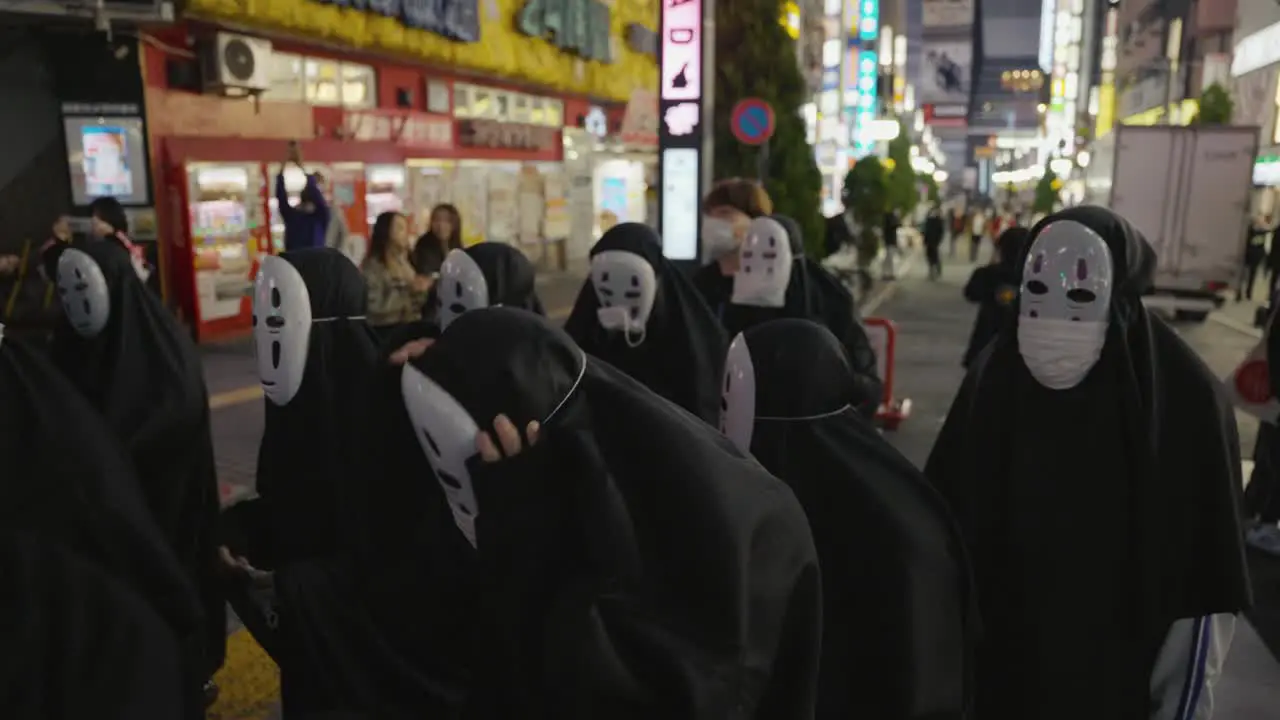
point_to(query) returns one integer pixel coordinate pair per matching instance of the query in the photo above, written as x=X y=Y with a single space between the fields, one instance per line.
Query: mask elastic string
x=821 y=416
x=340 y=317
x=582 y=371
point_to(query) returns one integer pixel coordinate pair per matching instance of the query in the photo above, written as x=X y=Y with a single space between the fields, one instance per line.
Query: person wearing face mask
x=1092 y=462
x=68 y=481
x=830 y=303
x=888 y=546
x=638 y=312
x=726 y=212
x=994 y=288
x=127 y=354
x=478 y=276
x=569 y=566
x=315 y=352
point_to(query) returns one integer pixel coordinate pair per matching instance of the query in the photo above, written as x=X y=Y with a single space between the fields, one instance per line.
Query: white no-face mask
x=1066 y=303
x=82 y=288
x=281 y=328
x=626 y=287
x=447 y=434
x=764 y=268
x=738 y=395
x=462 y=287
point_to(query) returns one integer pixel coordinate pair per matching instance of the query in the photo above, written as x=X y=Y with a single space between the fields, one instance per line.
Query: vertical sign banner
x=680 y=132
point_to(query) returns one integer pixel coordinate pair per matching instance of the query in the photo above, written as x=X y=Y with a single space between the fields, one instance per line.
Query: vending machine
x=227 y=234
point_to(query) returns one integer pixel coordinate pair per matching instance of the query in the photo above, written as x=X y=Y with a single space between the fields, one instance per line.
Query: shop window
x=462 y=100
x=482 y=104
x=284 y=73
x=331 y=83
x=322 y=82
x=437 y=96
x=554 y=113
x=359 y=86
x=520 y=108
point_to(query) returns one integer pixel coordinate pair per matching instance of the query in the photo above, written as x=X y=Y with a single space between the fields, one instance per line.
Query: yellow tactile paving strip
x=249 y=682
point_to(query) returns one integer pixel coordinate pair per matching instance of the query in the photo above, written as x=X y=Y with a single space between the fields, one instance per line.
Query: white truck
x=1187 y=190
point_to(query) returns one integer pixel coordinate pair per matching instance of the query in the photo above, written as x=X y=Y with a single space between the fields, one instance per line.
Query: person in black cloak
x=484 y=274
x=127 y=354
x=315 y=353
x=85 y=496
x=994 y=288
x=81 y=643
x=616 y=557
x=888 y=546
x=1093 y=464
x=639 y=313
x=830 y=303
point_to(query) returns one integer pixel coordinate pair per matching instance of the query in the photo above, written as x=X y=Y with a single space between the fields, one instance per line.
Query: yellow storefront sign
x=502 y=49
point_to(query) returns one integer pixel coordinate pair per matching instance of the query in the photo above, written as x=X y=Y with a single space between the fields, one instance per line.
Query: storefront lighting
x=883 y=130
x=1060 y=166
x=1083 y=158
x=1256 y=51
x=869 y=23
x=790 y=19
x=939 y=176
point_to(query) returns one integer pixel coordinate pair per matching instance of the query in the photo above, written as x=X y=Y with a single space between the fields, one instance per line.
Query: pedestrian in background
x=397 y=293
x=307 y=223
x=1255 y=252
x=977 y=226
x=444 y=233
x=934 y=229
x=891 y=248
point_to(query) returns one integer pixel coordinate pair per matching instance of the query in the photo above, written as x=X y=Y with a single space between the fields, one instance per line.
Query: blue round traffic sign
x=752 y=121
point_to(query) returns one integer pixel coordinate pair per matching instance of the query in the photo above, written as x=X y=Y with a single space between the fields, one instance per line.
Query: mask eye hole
x=604 y=277
x=1082 y=269
x=457 y=290
x=435 y=449
x=78 y=275
x=635 y=281
x=1038 y=264
x=255 y=319
x=275 y=298
x=772 y=242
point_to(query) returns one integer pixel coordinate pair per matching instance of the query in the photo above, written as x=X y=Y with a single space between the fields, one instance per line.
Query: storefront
x=1255 y=90
x=387 y=135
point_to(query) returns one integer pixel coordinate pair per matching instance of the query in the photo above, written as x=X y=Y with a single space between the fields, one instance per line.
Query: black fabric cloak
x=1095 y=516
x=310 y=454
x=899 y=615
x=831 y=303
x=79 y=643
x=632 y=564
x=143 y=374
x=68 y=481
x=683 y=350
x=995 y=288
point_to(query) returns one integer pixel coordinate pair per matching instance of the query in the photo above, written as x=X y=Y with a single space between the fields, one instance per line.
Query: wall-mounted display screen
x=108 y=158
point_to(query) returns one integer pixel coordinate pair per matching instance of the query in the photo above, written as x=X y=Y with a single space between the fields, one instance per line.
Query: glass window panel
x=520 y=108
x=554 y=113
x=359 y=89
x=482 y=104
x=322 y=82
x=462 y=100
x=284 y=73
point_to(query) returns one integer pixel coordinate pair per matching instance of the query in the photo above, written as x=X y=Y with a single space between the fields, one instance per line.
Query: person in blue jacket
x=306 y=223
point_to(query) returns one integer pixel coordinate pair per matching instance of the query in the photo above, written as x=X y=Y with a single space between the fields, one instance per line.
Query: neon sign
x=681 y=134
x=865 y=114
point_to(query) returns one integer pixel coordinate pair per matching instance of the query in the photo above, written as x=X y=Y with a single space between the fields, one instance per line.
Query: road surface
x=933 y=326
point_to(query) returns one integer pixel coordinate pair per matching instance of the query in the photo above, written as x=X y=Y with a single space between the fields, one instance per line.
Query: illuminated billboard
x=680 y=134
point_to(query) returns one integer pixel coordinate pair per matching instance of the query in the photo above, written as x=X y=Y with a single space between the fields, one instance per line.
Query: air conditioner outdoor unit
x=236 y=64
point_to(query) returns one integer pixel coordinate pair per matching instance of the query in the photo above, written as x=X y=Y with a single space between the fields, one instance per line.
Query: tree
x=866 y=191
x=904 y=196
x=757 y=58
x=1046 y=198
x=1216 y=106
